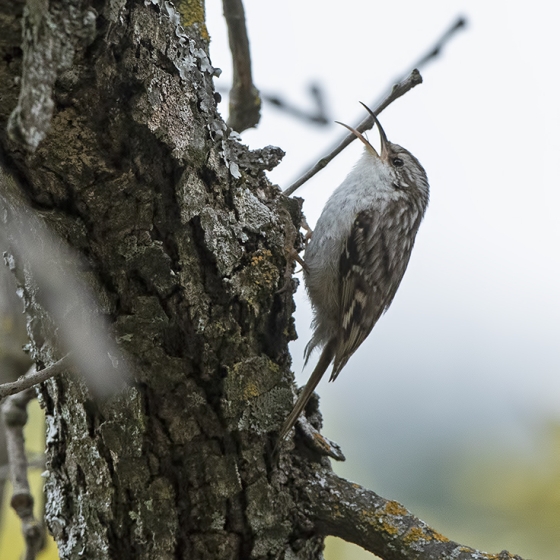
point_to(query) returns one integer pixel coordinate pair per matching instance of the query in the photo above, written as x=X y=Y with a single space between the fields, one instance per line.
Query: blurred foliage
x=337 y=549
x=11 y=540
x=514 y=498
x=491 y=500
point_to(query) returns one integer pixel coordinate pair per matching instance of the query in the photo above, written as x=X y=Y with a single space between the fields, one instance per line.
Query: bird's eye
x=398 y=162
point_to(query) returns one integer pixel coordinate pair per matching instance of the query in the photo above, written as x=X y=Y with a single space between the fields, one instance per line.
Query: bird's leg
x=293 y=254
x=306 y=238
x=291 y=257
x=309 y=231
x=295 y=257
x=292 y=239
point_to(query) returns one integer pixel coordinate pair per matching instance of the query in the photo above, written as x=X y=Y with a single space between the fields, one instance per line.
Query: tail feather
x=322 y=365
x=309 y=347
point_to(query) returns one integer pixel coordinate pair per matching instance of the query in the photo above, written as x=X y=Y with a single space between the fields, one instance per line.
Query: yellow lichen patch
x=438 y=536
x=268 y=272
x=415 y=534
x=336 y=511
x=389 y=528
x=257 y=280
x=249 y=379
x=192 y=13
x=251 y=390
x=378 y=520
x=385 y=518
x=394 y=508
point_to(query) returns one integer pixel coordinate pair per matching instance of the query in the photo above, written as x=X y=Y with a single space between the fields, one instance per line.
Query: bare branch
x=35 y=461
x=33 y=377
x=318 y=442
x=45 y=55
x=14 y=410
x=318 y=116
x=435 y=51
x=384 y=527
x=387 y=100
x=398 y=91
x=244 y=98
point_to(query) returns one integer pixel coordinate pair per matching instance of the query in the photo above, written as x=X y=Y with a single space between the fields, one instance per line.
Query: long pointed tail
x=324 y=361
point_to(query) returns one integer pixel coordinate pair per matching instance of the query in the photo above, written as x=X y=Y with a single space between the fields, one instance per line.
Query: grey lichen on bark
x=184 y=241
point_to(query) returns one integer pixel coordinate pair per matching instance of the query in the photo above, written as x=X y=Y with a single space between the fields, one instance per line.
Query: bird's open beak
x=382 y=135
x=361 y=137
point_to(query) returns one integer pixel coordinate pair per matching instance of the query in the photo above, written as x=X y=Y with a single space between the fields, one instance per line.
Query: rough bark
x=184 y=243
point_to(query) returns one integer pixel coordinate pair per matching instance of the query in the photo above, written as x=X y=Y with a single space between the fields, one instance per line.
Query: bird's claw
x=291 y=256
x=318 y=442
x=309 y=232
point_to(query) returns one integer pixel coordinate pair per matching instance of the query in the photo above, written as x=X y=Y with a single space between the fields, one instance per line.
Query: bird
x=358 y=254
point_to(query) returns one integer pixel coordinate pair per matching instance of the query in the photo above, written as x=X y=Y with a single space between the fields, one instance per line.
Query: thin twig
x=244 y=99
x=367 y=123
x=398 y=90
x=33 y=377
x=318 y=115
x=435 y=51
x=14 y=410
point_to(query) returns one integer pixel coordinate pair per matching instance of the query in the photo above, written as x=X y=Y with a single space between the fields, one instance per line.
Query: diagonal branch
x=384 y=527
x=366 y=124
x=412 y=80
x=435 y=51
x=33 y=377
x=66 y=292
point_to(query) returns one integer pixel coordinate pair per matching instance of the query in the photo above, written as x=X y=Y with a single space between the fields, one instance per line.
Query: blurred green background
x=492 y=499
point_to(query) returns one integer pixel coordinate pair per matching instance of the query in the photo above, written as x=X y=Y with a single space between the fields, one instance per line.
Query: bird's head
x=402 y=169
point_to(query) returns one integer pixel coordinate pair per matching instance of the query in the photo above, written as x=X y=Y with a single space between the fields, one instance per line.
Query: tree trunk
x=184 y=240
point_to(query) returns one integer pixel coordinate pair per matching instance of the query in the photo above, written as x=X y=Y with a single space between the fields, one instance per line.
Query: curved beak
x=360 y=136
x=382 y=135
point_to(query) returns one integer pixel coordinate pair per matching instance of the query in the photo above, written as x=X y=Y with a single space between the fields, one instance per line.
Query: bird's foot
x=318 y=442
x=291 y=257
x=308 y=231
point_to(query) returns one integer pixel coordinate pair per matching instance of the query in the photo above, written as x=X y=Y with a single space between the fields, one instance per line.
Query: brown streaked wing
x=371 y=268
x=363 y=273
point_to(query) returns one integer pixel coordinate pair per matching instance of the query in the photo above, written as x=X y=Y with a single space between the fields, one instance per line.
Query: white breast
x=366 y=186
